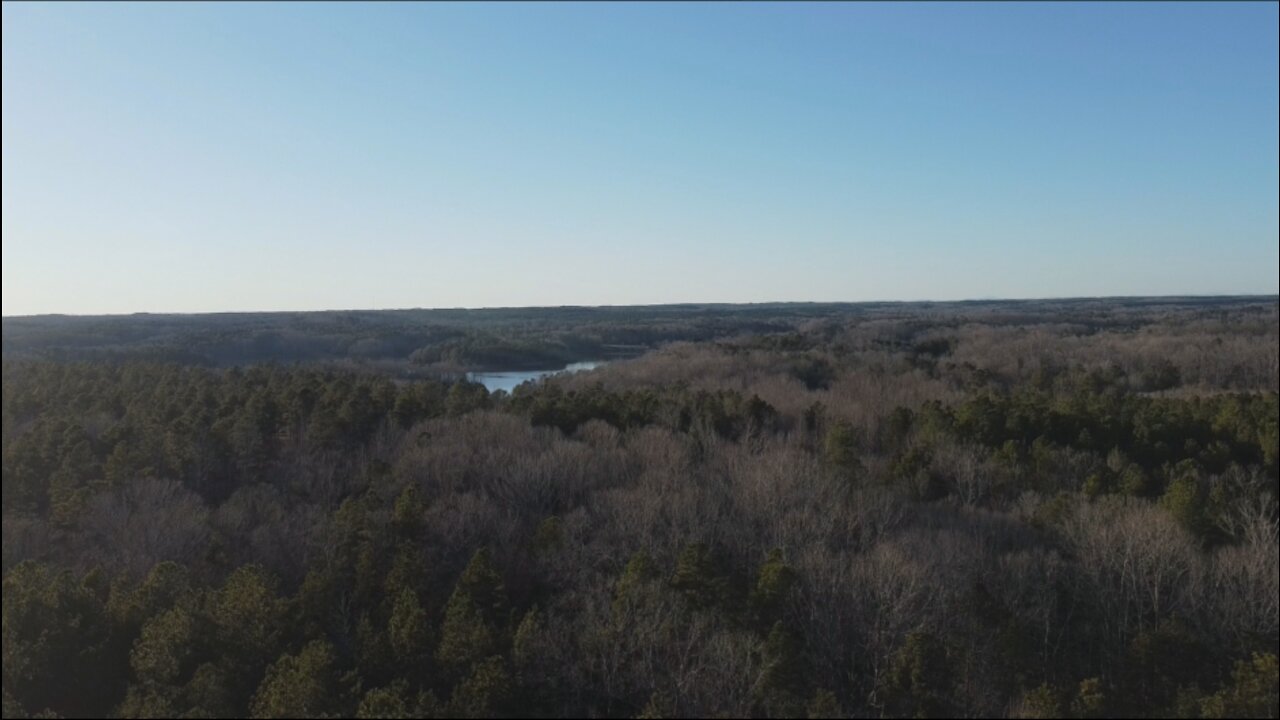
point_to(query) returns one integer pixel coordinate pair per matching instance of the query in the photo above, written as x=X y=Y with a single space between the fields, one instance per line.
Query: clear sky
x=187 y=157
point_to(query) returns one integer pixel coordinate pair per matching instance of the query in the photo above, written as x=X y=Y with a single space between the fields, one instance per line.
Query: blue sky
x=187 y=157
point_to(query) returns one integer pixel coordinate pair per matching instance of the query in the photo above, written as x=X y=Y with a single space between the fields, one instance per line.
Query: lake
x=508 y=380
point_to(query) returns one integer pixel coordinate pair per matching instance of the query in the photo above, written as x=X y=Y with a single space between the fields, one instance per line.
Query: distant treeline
x=504 y=338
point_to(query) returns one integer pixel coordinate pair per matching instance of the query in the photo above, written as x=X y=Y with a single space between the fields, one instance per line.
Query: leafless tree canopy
x=956 y=510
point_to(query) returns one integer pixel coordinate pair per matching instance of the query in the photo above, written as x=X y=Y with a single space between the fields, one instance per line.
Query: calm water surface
x=510 y=379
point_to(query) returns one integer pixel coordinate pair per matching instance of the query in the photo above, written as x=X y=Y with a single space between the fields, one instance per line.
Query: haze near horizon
x=196 y=158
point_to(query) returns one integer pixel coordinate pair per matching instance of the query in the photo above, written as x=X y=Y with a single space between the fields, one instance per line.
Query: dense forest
x=1019 y=509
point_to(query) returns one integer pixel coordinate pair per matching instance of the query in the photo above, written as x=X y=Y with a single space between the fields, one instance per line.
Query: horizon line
x=1189 y=296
